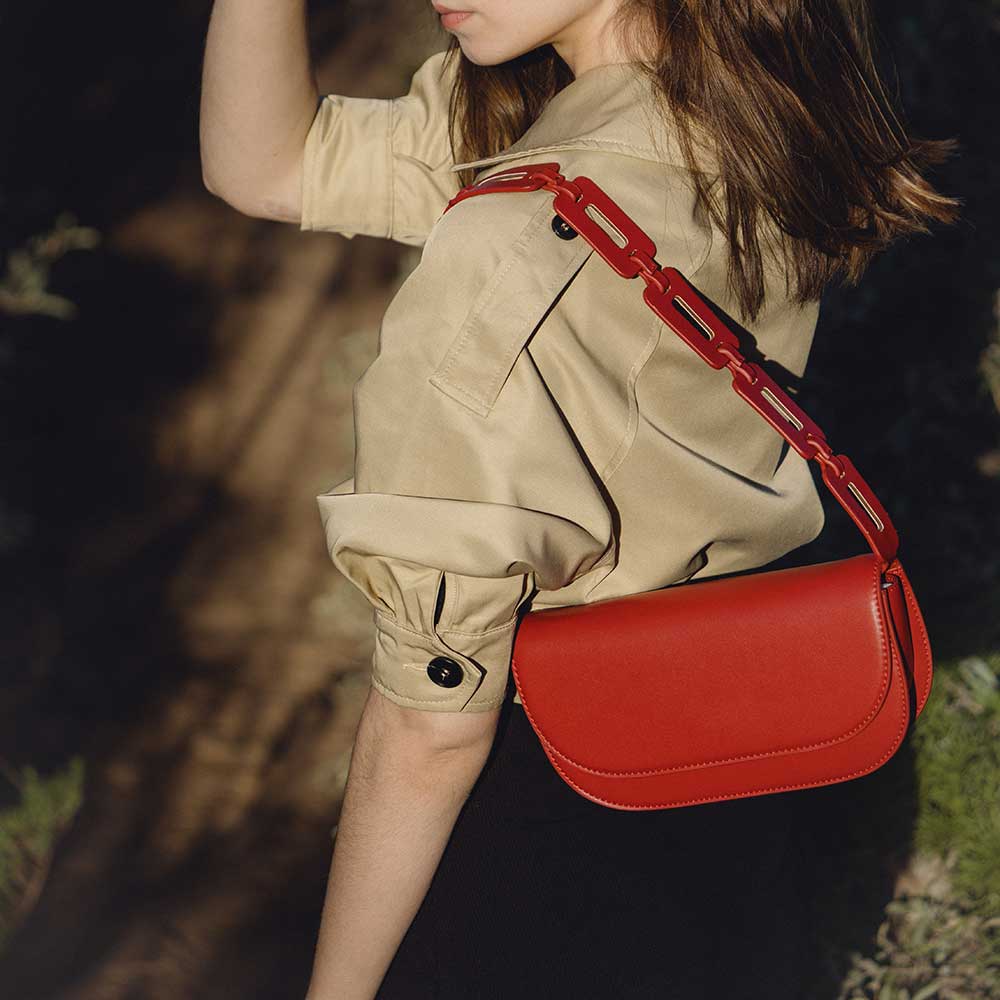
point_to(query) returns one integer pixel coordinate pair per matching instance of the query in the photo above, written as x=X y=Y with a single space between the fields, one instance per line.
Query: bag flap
x=708 y=672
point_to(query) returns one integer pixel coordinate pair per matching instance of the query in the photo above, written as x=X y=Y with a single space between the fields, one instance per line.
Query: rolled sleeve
x=380 y=167
x=449 y=578
x=402 y=657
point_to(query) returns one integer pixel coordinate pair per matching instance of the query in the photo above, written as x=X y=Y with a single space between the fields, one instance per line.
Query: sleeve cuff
x=475 y=664
x=347 y=167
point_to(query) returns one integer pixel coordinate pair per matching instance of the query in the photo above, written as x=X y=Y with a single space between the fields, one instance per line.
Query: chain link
x=557 y=184
x=631 y=253
x=823 y=453
x=737 y=364
x=650 y=271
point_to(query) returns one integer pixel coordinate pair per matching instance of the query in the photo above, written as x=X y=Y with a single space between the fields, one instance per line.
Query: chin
x=489 y=51
x=488 y=55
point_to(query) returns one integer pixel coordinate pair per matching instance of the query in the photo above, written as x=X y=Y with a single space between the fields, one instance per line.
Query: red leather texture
x=768 y=681
x=728 y=687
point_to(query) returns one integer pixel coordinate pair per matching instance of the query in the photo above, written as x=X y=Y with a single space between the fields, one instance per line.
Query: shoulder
x=498 y=233
x=640 y=194
x=656 y=196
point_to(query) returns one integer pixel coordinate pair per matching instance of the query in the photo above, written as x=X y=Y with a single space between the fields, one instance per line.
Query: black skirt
x=542 y=894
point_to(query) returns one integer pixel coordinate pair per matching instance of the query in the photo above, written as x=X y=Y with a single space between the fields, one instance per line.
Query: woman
x=531 y=436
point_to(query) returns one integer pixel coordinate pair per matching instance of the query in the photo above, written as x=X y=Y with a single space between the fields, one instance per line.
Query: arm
x=410 y=774
x=259 y=97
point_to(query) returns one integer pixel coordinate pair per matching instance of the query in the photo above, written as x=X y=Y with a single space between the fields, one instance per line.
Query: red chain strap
x=630 y=251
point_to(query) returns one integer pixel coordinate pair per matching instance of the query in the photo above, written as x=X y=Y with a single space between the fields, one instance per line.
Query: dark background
x=175 y=388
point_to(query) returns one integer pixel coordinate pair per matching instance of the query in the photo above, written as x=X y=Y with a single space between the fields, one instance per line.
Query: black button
x=445 y=671
x=563 y=229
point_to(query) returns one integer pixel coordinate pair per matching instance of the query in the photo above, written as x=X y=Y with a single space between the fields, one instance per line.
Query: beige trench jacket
x=530 y=431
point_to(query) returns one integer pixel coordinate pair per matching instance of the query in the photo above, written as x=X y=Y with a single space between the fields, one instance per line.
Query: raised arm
x=259 y=97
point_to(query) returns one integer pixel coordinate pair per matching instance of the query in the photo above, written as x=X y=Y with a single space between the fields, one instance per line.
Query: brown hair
x=784 y=98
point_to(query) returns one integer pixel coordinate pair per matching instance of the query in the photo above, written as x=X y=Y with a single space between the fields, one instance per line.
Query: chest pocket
x=508 y=309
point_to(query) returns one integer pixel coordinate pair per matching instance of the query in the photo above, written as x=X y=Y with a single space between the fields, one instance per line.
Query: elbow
x=215 y=186
x=216 y=182
x=239 y=200
x=210 y=185
x=209 y=172
x=274 y=202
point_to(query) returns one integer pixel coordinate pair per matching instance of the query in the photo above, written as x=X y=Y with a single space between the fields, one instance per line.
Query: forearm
x=258 y=97
x=399 y=808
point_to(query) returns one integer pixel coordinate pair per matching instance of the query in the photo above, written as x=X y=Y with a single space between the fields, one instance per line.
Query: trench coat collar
x=607 y=107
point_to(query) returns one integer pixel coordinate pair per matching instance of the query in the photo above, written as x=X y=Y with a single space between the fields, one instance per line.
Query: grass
x=958 y=772
x=29 y=831
x=940 y=936
x=929 y=946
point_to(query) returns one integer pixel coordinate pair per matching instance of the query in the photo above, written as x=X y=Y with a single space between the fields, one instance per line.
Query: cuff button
x=445 y=671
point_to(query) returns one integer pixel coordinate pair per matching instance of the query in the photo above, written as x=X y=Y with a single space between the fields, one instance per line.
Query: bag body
x=727 y=687
x=732 y=686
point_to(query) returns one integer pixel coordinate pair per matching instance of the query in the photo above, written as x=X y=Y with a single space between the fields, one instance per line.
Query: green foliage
x=28 y=834
x=940 y=936
x=957 y=739
x=24 y=287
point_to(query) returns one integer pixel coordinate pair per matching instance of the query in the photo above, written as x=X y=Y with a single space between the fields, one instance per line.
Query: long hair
x=810 y=162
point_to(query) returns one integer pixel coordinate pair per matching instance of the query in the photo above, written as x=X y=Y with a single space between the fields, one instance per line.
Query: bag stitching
x=879 y=701
x=742 y=793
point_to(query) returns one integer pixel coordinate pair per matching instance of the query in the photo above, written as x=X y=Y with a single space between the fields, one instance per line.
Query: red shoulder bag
x=731 y=687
